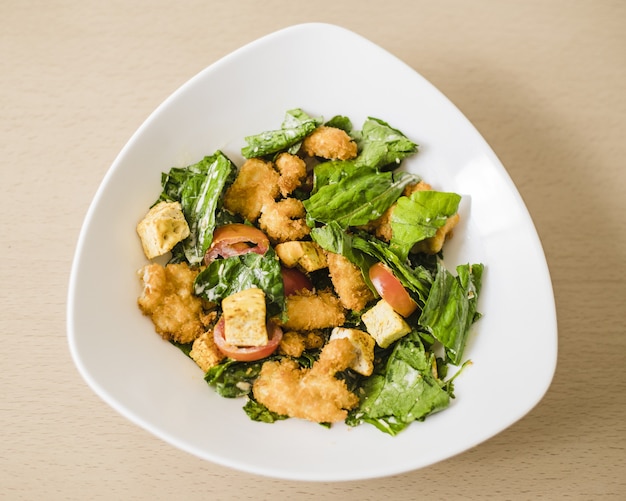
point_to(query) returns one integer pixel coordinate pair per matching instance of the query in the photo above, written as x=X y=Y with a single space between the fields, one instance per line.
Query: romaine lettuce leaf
x=355 y=196
x=224 y=277
x=404 y=390
x=419 y=216
x=295 y=127
x=233 y=379
x=381 y=145
x=450 y=309
x=199 y=189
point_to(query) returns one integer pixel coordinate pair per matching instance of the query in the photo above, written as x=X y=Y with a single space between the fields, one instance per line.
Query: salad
x=310 y=279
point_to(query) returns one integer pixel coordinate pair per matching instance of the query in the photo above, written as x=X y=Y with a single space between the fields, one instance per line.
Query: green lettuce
x=381 y=145
x=419 y=216
x=355 y=196
x=295 y=127
x=450 y=309
x=224 y=277
x=199 y=189
x=405 y=389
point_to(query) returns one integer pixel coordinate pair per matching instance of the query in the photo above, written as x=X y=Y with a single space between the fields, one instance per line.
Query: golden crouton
x=162 y=228
x=205 y=352
x=256 y=184
x=307 y=255
x=330 y=143
x=384 y=324
x=348 y=281
x=244 y=318
x=308 y=311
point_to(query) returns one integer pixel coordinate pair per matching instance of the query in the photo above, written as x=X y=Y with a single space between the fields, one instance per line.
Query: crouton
x=244 y=318
x=384 y=324
x=162 y=228
x=306 y=255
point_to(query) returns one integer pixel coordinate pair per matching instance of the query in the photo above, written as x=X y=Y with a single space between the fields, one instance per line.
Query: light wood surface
x=543 y=81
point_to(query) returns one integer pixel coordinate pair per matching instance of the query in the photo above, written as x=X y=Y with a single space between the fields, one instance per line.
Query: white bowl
x=326 y=70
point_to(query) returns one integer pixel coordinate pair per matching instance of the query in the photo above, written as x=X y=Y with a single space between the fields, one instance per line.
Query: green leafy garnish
x=419 y=216
x=224 y=277
x=451 y=308
x=296 y=126
x=199 y=189
x=404 y=390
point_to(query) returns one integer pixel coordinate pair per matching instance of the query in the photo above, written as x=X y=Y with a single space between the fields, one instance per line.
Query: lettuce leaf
x=419 y=216
x=381 y=145
x=355 y=196
x=295 y=127
x=450 y=309
x=224 y=277
x=199 y=189
x=405 y=389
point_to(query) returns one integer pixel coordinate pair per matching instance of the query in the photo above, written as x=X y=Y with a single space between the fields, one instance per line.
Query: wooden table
x=544 y=82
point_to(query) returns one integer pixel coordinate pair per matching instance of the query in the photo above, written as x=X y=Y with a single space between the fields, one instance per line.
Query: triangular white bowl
x=326 y=70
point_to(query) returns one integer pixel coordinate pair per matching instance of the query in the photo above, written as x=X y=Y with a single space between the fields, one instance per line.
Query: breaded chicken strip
x=284 y=220
x=168 y=299
x=307 y=311
x=331 y=143
x=314 y=394
x=204 y=351
x=348 y=281
x=295 y=343
x=256 y=185
x=292 y=173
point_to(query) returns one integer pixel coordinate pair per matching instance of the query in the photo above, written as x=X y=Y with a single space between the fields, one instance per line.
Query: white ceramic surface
x=325 y=70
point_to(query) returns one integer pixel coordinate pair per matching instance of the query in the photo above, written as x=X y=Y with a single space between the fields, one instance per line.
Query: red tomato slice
x=294 y=280
x=248 y=353
x=236 y=239
x=392 y=290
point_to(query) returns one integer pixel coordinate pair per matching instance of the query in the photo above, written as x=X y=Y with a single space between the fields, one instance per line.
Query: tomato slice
x=248 y=353
x=294 y=280
x=236 y=239
x=391 y=289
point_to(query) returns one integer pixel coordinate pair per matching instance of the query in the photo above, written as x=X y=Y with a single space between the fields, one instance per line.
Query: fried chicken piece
x=331 y=143
x=284 y=220
x=381 y=226
x=168 y=299
x=313 y=394
x=256 y=185
x=348 y=281
x=307 y=310
x=292 y=172
x=295 y=343
x=205 y=352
